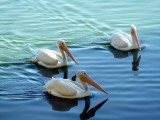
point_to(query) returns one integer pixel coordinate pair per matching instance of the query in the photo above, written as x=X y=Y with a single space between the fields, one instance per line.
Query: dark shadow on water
x=88 y=113
x=52 y=72
x=74 y=78
x=61 y=104
x=124 y=54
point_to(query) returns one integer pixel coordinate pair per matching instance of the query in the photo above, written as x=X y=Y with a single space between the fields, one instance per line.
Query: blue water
x=27 y=26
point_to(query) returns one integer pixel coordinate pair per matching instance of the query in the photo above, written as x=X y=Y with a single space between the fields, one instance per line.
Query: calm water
x=29 y=25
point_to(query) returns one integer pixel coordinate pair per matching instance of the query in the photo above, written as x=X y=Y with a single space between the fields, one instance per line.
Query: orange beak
x=137 y=40
x=88 y=80
x=64 y=48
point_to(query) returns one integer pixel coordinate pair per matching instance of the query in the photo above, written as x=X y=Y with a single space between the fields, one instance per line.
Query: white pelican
x=52 y=59
x=64 y=88
x=124 y=41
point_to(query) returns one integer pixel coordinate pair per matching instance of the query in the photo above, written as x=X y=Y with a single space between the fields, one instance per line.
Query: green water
x=27 y=26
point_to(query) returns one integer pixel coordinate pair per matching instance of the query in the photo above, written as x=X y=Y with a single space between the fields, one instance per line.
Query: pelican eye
x=132 y=31
x=62 y=43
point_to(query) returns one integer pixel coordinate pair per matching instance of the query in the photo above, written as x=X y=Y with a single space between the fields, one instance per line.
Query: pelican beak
x=137 y=40
x=88 y=80
x=64 y=48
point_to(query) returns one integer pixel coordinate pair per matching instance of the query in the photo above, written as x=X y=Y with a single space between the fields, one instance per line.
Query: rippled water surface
x=27 y=26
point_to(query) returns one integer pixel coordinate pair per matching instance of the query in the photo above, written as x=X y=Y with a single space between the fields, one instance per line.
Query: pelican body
x=65 y=88
x=124 y=41
x=52 y=59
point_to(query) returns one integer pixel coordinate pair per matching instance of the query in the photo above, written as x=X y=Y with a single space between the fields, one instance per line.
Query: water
x=29 y=25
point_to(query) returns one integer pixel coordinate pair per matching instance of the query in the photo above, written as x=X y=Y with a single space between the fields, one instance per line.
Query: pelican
x=124 y=41
x=64 y=88
x=52 y=59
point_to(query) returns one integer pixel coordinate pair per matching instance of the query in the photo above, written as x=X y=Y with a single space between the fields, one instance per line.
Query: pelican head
x=62 y=46
x=82 y=75
x=135 y=36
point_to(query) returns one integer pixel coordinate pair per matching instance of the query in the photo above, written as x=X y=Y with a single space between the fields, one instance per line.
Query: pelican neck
x=64 y=58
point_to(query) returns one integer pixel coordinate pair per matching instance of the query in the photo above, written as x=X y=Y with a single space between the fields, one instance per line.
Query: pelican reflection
x=62 y=104
x=136 y=60
x=88 y=113
x=53 y=71
x=124 y=54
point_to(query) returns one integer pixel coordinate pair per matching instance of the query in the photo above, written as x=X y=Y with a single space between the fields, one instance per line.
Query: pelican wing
x=118 y=40
x=49 y=57
x=128 y=37
x=61 y=87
